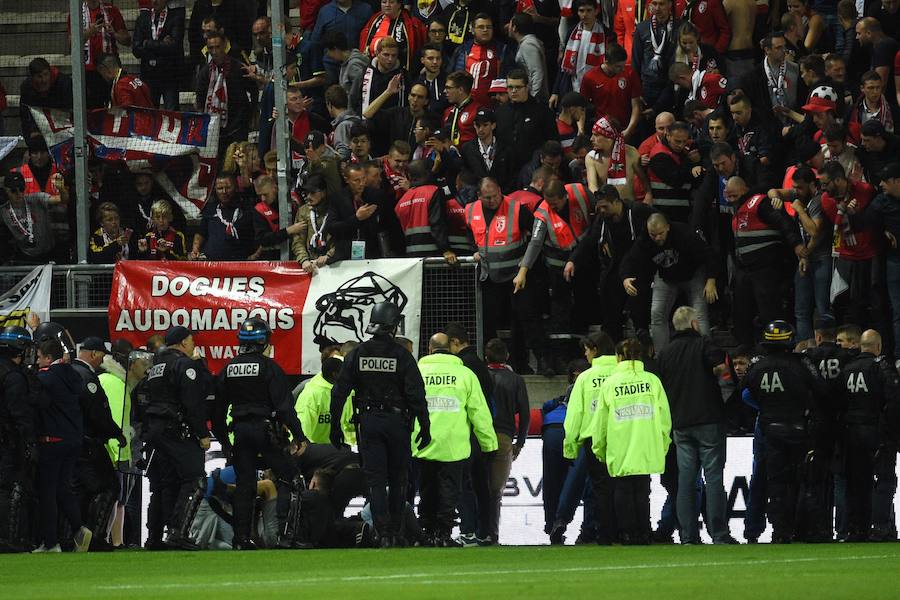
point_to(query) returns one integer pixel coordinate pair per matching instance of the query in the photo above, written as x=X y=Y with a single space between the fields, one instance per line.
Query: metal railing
x=449 y=293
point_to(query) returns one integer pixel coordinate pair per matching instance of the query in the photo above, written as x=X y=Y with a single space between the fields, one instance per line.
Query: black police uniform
x=389 y=393
x=788 y=391
x=98 y=484
x=17 y=455
x=871 y=387
x=255 y=387
x=829 y=359
x=176 y=421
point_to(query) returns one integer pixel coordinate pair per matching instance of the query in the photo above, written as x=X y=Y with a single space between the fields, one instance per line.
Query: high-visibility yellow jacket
x=583 y=404
x=314 y=411
x=456 y=407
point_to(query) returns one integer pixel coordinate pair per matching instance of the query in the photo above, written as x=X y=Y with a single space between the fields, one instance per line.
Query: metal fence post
x=81 y=191
x=280 y=32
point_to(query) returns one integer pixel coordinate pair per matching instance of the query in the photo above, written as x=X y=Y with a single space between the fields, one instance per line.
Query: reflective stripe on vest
x=562 y=236
x=412 y=212
x=457 y=229
x=499 y=242
x=750 y=232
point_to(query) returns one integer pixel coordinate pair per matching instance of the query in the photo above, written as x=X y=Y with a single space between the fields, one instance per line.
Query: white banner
x=522 y=515
x=30 y=295
x=341 y=296
x=8 y=144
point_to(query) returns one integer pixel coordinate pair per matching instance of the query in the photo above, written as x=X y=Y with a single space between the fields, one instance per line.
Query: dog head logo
x=344 y=313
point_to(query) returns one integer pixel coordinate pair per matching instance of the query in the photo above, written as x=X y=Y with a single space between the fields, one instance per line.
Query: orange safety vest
x=750 y=232
x=412 y=212
x=528 y=198
x=31 y=184
x=501 y=243
x=457 y=231
x=562 y=236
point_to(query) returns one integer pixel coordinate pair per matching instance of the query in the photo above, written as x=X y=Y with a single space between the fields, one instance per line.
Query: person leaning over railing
x=312 y=246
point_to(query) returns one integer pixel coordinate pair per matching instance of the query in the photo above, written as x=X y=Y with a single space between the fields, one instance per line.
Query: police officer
x=96 y=474
x=456 y=405
x=830 y=359
x=17 y=439
x=871 y=390
x=787 y=391
x=389 y=393
x=176 y=427
x=255 y=388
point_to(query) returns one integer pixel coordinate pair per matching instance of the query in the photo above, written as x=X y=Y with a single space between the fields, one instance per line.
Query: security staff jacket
x=500 y=235
x=759 y=232
x=99 y=425
x=871 y=393
x=583 y=403
x=177 y=391
x=421 y=215
x=385 y=377
x=631 y=428
x=456 y=407
x=314 y=411
x=786 y=389
x=254 y=386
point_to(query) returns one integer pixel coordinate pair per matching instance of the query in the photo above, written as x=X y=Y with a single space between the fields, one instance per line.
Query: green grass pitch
x=864 y=571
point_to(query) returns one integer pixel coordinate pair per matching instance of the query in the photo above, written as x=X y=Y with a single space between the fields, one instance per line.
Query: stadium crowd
x=603 y=163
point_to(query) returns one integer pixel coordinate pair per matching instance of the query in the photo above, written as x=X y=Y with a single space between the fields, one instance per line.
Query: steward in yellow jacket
x=456 y=407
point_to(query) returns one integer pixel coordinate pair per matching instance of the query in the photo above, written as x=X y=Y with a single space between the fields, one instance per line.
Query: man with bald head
x=679 y=261
x=765 y=267
x=663 y=121
x=456 y=407
x=870 y=390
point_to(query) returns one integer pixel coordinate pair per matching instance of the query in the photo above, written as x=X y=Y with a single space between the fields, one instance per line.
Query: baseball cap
x=891 y=171
x=498 y=86
x=817 y=104
x=315 y=139
x=14 y=181
x=485 y=114
x=440 y=134
x=176 y=335
x=94 y=344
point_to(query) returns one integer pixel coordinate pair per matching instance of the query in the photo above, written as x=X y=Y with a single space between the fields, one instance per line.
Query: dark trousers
x=615 y=300
x=165 y=87
x=56 y=469
x=785 y=465
x=16 y=496
x=522 y=312
x=632 y=501
x=860 y=446
x=883 y=518
x=384 y=448
x=186 y=459
x=251 y=440
x=440 y=484
x=163 y=494
x=98 y=486
x=604 y=498
x=476 y=506
x=668 y=519
x=755 y=517
x=555 y=468
x=758 y=291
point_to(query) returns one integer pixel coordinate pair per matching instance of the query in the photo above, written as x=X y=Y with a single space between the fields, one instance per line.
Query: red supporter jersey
x=612 y=96
x=712 y=87
x=861 y=245
x=131 y=91
x=96 y=48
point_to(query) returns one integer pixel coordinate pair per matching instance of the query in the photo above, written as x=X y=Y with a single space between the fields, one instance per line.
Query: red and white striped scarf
x=616 y=174
x=217 y=92
x=565 y=8
x=157 y=21
x=584 y=50
x=109 y=44
x=883 y=115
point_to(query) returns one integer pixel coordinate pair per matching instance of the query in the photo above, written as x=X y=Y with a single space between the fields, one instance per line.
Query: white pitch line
x=431 y=577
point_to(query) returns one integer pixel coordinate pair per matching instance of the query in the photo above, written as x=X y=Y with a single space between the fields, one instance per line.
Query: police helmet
x=54 y=331
x=16 y=338
x=254 y=332
x=384 y=319
x=779 y=334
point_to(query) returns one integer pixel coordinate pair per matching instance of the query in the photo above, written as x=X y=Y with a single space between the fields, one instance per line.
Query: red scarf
x=108 y=42
x=574 y=61
x=393 y=178
x=217 y=91
x=268 y=214
x=884 y=113
x=616 y=174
